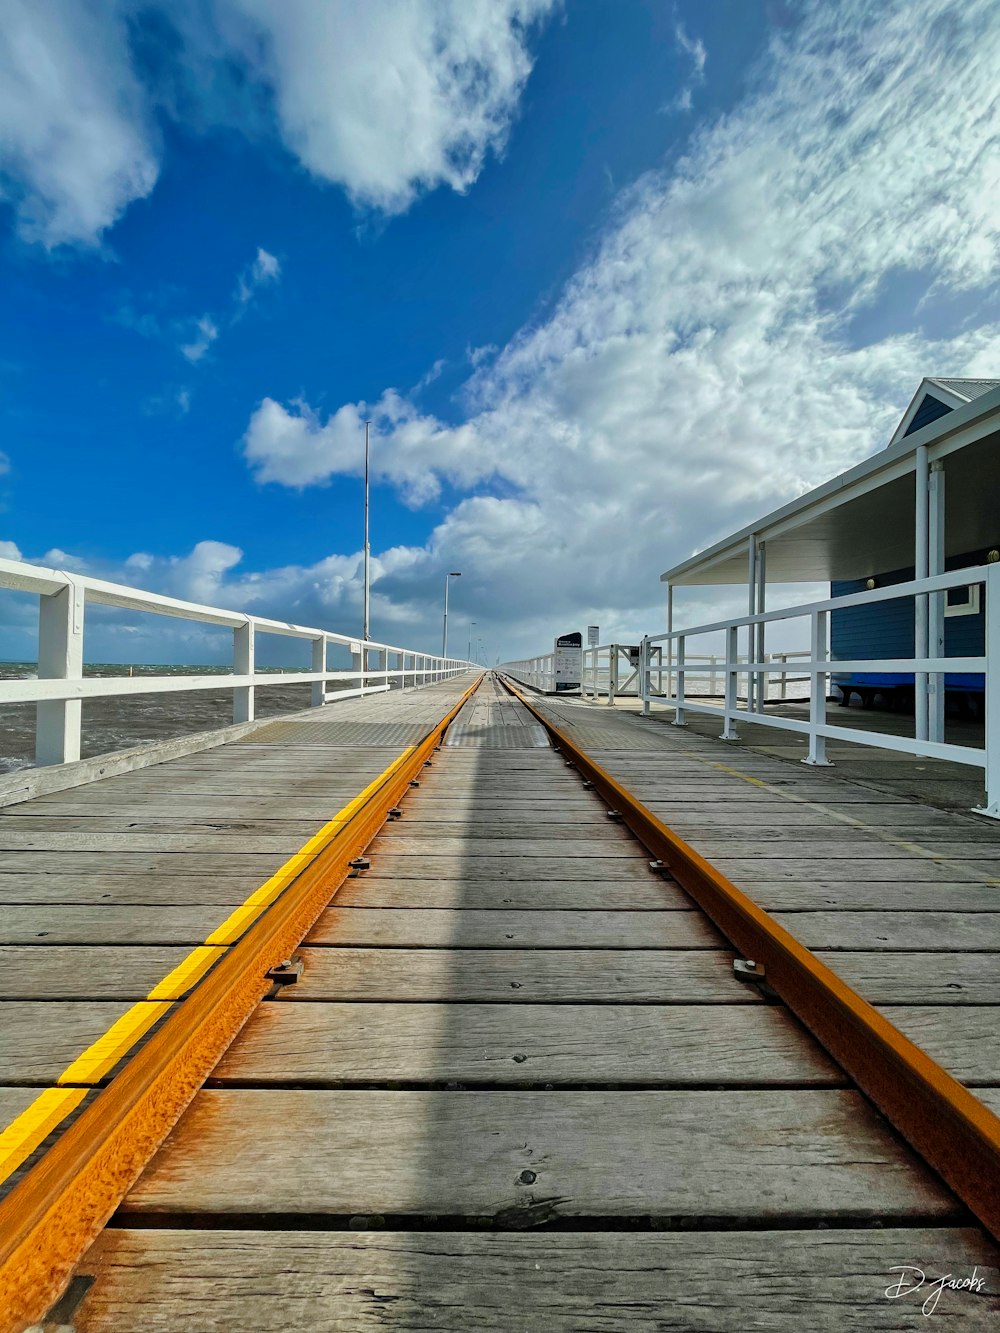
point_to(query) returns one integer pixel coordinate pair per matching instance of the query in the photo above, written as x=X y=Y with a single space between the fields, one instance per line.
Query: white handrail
x=673 y=670
x=61 y=685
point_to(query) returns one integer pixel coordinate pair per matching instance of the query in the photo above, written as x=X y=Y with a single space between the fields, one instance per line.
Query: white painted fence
x=61 y=686
x=665 y=672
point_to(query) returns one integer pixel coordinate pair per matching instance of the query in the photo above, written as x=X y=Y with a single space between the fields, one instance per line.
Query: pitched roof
x=934 y=398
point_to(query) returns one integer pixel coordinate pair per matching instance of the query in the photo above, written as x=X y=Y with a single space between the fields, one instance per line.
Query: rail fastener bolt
x=360 y=863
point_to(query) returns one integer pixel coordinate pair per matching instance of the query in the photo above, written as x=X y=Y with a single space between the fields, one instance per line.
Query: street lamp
x=454 y=574
x=364 y=631
x=472 y=625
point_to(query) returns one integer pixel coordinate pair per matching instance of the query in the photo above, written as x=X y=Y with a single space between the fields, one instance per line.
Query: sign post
x=568 y=662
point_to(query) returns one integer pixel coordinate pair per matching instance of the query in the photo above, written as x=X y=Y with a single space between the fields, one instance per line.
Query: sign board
x=633 y=650
x=568 y=661
x=593 y=635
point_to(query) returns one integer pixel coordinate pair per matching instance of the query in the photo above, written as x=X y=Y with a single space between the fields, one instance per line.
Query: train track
x=539 y=1065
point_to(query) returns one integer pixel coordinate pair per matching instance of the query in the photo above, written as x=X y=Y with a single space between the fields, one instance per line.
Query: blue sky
x=610 y=277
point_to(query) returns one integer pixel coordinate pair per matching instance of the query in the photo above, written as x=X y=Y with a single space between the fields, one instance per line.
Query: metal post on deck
x=60 y=657
x=729 y=732
x=670 y=644
x=243 y=665
x=817 y=688
x=752 y=606
x=359 y=664
x=936 y=600
x=613 y=660
x=992 y=738
x=920 y=617
x=679 y=710
x=318 y=664
x=759 y=650
x=645 y=649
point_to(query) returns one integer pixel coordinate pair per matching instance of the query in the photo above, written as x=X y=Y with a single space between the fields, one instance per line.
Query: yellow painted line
x=107 y=1050
x=185 y=974
x=23 y=1135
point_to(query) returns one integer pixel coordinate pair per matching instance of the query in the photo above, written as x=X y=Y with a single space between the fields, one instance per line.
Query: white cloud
x=10 y=551
x=76 y=140
x=264 y=269
x=697 y=372
x=389 y=99
x=205 y=333
x=386 y=100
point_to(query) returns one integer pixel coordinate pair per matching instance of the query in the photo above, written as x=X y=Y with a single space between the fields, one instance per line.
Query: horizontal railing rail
x=61 y=685
x=666 y=673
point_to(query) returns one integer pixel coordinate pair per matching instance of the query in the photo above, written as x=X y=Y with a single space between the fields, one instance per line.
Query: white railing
x=664 y=675
x=611 y=671
x=61 y=685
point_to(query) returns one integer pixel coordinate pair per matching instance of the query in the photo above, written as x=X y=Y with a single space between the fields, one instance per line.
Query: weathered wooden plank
x=83 y=972
x=252 y=833
x=611 y=843
x=856 y=844
x=550 y=976
x=854 y=895
x=471 y=929
x=39 y=1039
x=964 y=1039
x=161 y=1281
x=947 y=931
x=376 y=890
x=540 y=869
x=185 y=840
x=871 y=870
x=330 y=1044
x=250 y=864
x=920 y=978
x=412 y=826
x=757 y=1154
x=190 y=890
x=71 y=924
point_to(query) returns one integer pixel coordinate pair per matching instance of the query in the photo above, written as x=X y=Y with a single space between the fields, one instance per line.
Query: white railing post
x=359 y=665
x=60 y=657
x=614 y=657
x=679 y=674
x=817 y=688
x=729 y=732
x=992 y=741
x=243 y=665
x=712 y=680
x=645 y=649
x=318 y=664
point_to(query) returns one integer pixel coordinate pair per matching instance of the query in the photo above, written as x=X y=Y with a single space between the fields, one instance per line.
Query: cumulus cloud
x=385 y=100
x=710 y=362
x=389 y=99
x=77 y=144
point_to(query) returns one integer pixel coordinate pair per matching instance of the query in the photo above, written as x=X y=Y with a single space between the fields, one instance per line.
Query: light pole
x=364 y=632
x=472 y=626
x=454 y=574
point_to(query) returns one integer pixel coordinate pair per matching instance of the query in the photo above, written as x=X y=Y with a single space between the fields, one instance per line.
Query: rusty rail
x=954 y=1132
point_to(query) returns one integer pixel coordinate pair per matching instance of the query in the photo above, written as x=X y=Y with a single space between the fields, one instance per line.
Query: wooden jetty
x=513 y=1077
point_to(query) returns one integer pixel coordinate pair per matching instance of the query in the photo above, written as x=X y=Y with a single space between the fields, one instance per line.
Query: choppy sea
x=117 y=724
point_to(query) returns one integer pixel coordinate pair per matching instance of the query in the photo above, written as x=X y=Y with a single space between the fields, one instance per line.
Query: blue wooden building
x=926 y=504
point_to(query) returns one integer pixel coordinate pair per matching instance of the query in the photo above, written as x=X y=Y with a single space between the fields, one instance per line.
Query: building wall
x=886 y=630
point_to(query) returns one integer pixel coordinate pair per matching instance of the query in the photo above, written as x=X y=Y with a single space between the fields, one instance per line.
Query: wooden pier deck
x=517 y=1084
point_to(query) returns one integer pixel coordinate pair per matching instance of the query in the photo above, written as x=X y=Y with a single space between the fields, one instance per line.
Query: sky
x=609 y=278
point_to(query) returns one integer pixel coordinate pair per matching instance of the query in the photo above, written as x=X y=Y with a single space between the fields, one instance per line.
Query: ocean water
x=118 y=724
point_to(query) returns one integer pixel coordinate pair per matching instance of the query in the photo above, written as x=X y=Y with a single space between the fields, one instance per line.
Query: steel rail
x=51 y=1217
x=954 y=1132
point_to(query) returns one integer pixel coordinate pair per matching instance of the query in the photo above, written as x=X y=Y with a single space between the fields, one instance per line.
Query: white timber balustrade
x=62 y=685
x=668 y=673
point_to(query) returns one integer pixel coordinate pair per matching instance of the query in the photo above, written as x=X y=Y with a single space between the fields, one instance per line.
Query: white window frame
x=967 y=608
